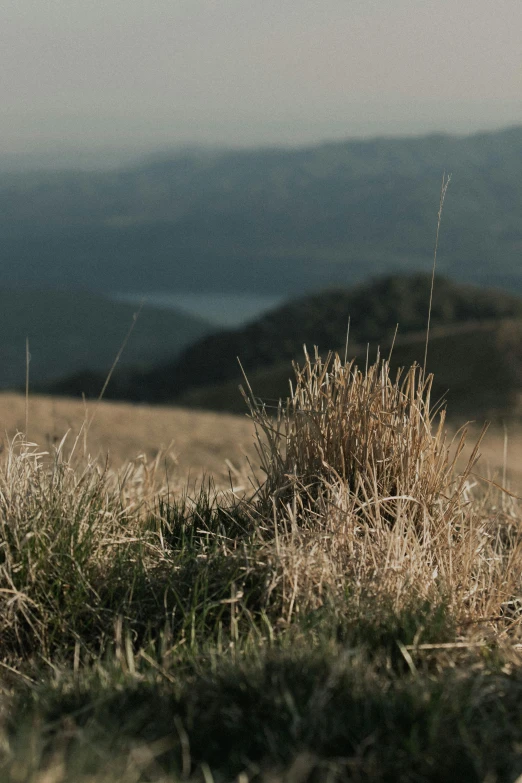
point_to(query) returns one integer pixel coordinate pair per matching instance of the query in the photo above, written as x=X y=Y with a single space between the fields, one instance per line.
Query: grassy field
x=198 y=442
x=195 y=443
x=355 y=616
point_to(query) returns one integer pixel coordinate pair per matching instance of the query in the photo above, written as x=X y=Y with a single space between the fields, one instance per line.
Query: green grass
x=333 y=709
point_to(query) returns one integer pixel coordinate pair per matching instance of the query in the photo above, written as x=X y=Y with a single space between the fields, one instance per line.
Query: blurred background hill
x=281 y=221
x=251 y=253
x=375 y=310
x=475 y=347
x=69 y=331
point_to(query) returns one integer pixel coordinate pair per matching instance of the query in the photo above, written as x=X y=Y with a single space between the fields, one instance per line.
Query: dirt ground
x=199 y=442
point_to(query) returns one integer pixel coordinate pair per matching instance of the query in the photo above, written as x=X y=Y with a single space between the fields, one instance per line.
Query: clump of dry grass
x=373 y=434
x=367 y=501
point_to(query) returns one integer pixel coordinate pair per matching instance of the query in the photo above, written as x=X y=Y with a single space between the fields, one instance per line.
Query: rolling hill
x=474 y=346
x=476 y=367
x=72 y=331
x=375 y=309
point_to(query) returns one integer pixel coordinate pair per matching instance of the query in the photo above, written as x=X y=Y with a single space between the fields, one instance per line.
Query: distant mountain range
x=278 y=221
x=474 y=348
x=71 y=331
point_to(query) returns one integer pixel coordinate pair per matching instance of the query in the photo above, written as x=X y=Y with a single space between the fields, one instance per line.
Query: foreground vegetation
x=355 y=617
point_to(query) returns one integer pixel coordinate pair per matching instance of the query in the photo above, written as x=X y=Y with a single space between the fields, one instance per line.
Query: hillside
x=477 y=367
x=190 y=444
x=281 y=221
x=473 y=350
x=199 y=443
x=321 y=320
x=71 y=331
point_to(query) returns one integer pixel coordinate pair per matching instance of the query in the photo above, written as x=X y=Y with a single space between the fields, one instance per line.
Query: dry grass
x=199 y=442
x=343 y=618
x=202 y=441
x=365 y=493
x=361 y=429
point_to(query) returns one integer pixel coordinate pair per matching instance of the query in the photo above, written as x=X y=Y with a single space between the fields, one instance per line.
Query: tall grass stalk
x=446 y=179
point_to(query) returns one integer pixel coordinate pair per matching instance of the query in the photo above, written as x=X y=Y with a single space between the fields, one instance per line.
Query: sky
x=107 y=78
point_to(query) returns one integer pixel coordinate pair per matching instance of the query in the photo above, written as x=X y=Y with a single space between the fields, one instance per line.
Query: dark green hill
x=72 y=331
x=321 y=320
x=474 y=347
x=281 y=221
x=477 y=369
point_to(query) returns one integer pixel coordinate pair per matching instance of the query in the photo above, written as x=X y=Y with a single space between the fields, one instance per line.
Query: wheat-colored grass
x=199 y=442
x=367 y=495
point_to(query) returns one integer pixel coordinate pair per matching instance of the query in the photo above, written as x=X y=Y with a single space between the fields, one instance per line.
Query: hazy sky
x=144 y=74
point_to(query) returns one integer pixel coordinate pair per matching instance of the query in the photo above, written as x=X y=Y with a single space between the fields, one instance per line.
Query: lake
x=226 y=310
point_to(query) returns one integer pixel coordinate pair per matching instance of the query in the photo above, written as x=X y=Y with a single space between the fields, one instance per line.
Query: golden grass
x=200 y=442
x=366 y=495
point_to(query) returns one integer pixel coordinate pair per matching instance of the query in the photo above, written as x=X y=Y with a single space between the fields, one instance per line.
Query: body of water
x=227 y=310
